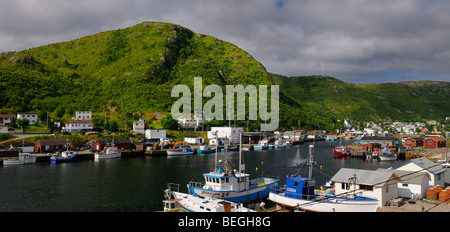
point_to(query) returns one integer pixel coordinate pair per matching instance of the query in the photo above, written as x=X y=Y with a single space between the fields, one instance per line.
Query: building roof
x=22 y=145
x=52 y=142
x=378 y=138
x=409 y=177
x=367 y=177
x=79 y=122
x=415 y=138
x=7 y=116
x=116 y=142
x=437 y=138
x=426 y=165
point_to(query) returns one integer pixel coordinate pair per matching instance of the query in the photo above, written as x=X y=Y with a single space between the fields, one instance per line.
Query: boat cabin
x=300 y=187
x=226 y=180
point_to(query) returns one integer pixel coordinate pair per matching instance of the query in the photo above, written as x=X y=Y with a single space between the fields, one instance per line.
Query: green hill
x=131 y=72
x=405 y=101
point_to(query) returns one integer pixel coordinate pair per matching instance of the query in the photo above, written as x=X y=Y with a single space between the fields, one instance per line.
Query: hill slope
x=370 y=102
x=133 y=69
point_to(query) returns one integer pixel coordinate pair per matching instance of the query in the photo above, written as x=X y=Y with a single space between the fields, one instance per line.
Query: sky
x=357 y=41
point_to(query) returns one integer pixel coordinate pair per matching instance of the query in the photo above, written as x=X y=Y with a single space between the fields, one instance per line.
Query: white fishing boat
x=232 y=185
x=280 y=144
x=110 y=153
x=182 y=151
x=387 y=155
x=24 y=158
x=299 y=193
x=196 y=203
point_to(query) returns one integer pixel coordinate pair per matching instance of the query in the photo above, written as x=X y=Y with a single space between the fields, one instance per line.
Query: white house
x=83 y=115
x=155 y=134
x=435 y=170
x=139 y=126
x=194 y=139
x=32 y=117
x=5 y=119
x=378 y=184
x=3 y=129
x=230 y=133
x=412 y=184
x=78 y=125
x=194 y=123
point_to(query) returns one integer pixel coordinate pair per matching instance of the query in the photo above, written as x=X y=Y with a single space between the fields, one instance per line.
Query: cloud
x=353 y=40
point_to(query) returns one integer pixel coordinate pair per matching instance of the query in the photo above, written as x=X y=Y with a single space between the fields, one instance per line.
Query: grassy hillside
x=407 y=101
x=133 y=69
x=129 y=73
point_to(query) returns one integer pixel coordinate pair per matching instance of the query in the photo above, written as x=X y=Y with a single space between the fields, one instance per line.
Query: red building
x=121 y=144
x=414 y=142
x=434 y=142
x=52 y=145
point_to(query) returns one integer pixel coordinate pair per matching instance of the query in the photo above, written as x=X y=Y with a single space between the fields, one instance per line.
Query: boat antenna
x=240 y=151
x=215 y=161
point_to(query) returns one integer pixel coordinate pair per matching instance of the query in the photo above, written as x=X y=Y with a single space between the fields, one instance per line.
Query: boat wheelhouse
x=233 y=185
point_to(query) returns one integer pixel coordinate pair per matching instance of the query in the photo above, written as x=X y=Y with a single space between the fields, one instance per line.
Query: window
x=344 y=185
x=295 y=183
x=430 y=142
x=366 y=187
x=405 y=185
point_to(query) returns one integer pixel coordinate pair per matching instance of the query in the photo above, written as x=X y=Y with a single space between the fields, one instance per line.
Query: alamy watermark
x=216 y=103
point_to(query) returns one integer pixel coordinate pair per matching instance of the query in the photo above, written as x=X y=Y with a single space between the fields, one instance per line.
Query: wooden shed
x=434 y=142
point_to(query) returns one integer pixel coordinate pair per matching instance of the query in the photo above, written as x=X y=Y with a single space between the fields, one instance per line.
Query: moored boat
x=24 y=158
x=205 y=149
x=233 y=185
x=182 y=151
x=341 y=151
x=66 y=157
x=196 y=203
x=299 y=193
x=110 y=153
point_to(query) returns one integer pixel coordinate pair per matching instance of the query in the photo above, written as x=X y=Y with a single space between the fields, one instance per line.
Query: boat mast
x=310 y=161
x=240 y=151
x=215 y=158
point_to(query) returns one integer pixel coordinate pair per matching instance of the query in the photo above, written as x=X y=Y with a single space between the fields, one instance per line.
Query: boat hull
x=250 y=194
x=107 y=156
x=333 y=204
x=57 y=160
x=175 y=153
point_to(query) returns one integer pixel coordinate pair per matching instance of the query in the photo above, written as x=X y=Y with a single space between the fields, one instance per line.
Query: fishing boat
x=280 y=144
x=182 y=151
x=233 y=185
x=387 y=155
x=110 y=153
x=24 y=158
x=196 y=203
x=229 y=148
x=341 y=151
x=262 y=145
x=205 y=149
x=66 y=157
x=299 y=193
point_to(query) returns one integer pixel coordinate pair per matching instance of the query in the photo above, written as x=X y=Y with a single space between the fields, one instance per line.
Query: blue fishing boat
x=232 y=185
x=299 y=193
x=204 y=149
x=66 y=157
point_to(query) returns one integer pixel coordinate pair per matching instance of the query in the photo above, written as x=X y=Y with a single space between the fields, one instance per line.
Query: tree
x=169 y=123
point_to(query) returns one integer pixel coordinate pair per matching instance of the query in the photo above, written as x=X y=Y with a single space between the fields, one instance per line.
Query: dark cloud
x=353 y=40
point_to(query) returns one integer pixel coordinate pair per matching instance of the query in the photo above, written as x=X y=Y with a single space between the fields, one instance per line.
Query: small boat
x=341 y=151
x=299 y=193
x=197 y=203
x=331 y=138
x=233 y=185
x=280 y=144
x=182 y=151
x=262 y=145
x=205 y=149
x=24 y=158
x=387 y=155
x=66 y=157
x=110 y=153
x=230 y=148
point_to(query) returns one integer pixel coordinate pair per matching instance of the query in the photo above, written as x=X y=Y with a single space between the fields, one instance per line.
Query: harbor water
x=136 y=184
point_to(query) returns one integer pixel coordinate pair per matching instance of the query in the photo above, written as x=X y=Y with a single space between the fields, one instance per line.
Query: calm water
x=137 y=184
